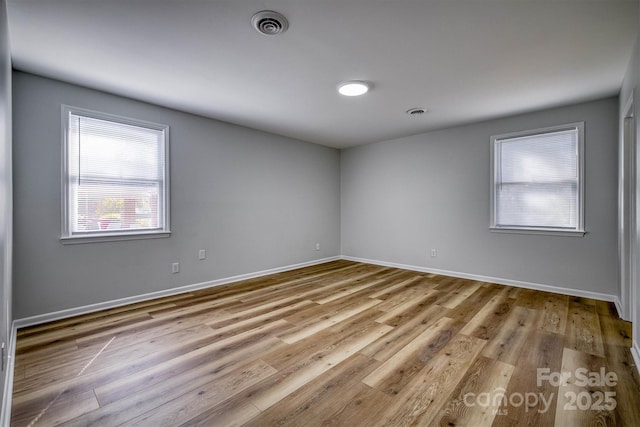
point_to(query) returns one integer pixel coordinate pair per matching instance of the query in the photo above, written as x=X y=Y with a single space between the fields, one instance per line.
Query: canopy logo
x=500 y=402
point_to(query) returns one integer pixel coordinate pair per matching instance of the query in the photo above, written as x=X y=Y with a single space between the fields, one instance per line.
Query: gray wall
x=630 y=88
x=253 y=200
x=403 y=197
x=256 y=201
x=5 y=188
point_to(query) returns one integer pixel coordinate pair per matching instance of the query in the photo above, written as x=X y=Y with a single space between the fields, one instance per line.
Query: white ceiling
x=464 y=60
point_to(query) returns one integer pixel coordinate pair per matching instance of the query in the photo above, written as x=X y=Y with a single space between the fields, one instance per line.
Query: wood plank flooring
x=337 y=344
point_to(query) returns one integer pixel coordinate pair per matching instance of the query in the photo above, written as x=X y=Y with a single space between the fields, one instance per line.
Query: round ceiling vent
x=269 y=23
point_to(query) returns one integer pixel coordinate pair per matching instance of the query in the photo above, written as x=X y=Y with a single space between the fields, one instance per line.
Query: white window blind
x=537 y=180
x=116 y=176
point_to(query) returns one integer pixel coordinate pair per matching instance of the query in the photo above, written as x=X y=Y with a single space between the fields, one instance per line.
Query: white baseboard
x=498 y=280
x=618 y=304
x=635 y=352
x=7 y=393
x=63 y=314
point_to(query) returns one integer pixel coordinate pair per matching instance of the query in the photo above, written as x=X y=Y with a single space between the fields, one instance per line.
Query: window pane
x=540 y=158
x=108 y=149
x=530 y=205
x=113 y=207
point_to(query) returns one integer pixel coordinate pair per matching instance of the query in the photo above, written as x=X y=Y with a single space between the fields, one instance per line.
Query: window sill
x=74 y=240
x=542 y=231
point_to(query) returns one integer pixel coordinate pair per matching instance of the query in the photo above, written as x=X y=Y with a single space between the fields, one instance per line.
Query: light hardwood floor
x=337 y=344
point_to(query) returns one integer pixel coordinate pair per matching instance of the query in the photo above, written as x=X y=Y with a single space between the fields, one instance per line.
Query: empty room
x=307 y=213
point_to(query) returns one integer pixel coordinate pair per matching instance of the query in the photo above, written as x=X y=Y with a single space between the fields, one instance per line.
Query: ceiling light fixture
x=353 y=88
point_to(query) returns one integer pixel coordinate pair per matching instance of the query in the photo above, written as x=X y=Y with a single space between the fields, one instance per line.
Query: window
x=537 y=180
x=116 y=181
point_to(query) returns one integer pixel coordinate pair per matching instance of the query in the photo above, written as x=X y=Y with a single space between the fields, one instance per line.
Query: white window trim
x=66 y=237
x=580 y=230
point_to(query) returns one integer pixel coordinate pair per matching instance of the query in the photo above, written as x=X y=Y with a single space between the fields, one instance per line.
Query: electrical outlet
x=317 y=246
x=434 y=253
x=175 y=267
x=202 y=254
